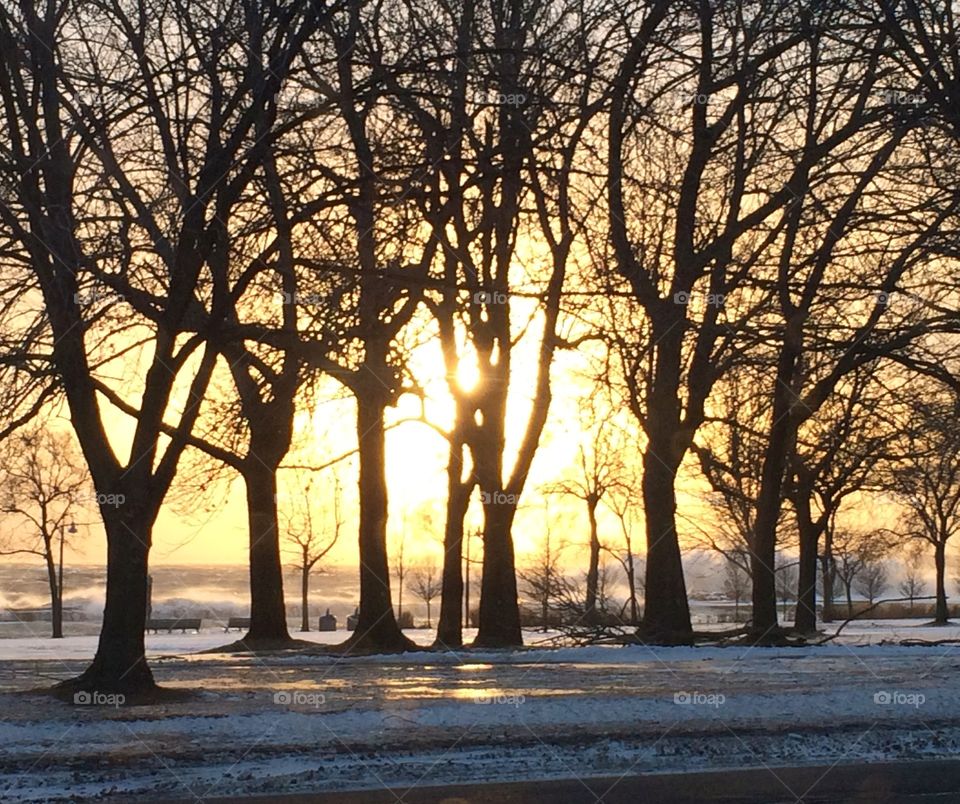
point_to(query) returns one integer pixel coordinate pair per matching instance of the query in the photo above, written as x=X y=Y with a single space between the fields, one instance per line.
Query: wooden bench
x=182 y=624
x=240 y=623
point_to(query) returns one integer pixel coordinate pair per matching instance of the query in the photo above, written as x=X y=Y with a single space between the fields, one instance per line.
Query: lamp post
x=58 y=603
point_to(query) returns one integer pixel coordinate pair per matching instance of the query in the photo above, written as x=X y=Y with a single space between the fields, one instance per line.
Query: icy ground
x=311 y=723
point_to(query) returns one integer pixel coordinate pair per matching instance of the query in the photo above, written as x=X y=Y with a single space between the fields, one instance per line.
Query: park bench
x=183 y=624
x=240 y=623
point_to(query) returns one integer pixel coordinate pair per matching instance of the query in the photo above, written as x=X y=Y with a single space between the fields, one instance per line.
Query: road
x=894 y=782
x=283 y=725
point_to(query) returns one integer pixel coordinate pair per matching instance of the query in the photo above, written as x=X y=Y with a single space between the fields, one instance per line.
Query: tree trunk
x=304 y=597
x=449 y=626
x=632 y=583
x=56 y=598
x=847 y=586
x=377 y=627
x=828 y=575
x=666 y=614
x=593 y=571
x=268 y=615
x=941 y=615
x=805 y=619
x=769 y=500
x=466 y=579
x=119 y=665
x=499 y=625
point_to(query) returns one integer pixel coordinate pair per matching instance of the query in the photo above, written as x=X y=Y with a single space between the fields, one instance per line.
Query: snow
x=82 y=647
x=302 y=723
x=79 y=647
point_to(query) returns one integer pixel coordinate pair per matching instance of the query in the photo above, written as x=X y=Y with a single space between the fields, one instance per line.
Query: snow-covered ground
x=39 y=646
x=308 y=723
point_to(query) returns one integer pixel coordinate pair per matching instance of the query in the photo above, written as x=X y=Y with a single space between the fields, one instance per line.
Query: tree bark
x=377 y=627
x=828 y=574
x=593 y=570
x=119 y=665
x=499 y=625
x=769 y=501
x=805 y=620
x=449 y=626
x=56 y=599
x=941 y=614
x=305 y=597
x=632 y=582
x=268 y=616
x=666 y=615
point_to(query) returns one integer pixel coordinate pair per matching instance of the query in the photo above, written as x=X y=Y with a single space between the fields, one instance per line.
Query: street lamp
x=72 y=529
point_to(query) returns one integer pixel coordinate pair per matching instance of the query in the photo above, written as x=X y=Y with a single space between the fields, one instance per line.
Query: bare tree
x=426 y=586
x=42 y=483
x=729 y=450
x=501 y=128
x=543 y=580
x=598 y=468
x=622 y=502
x=689 y=260
x=927 y=482
x=872 y=580
x=128 y=241
x=313 y=542
x=912 y=586
x=839 y=453
x=400 y=567
x=835 y=275
x=736 y=582
x=786 y=573
x=853 y=552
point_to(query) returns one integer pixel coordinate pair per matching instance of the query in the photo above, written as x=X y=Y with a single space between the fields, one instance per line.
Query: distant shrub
x=921 y=610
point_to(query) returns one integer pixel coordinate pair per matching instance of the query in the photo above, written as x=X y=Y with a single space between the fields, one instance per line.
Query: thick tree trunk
x=56 y=601
x=941 y=615
x=805 y=620
x=377 y=627
x=449 y=626
x=499 y=625
x=769 y=501
x=304 y=597
x=593 y=570
x=666 y=614
x=268 y=615
x=119 y=665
